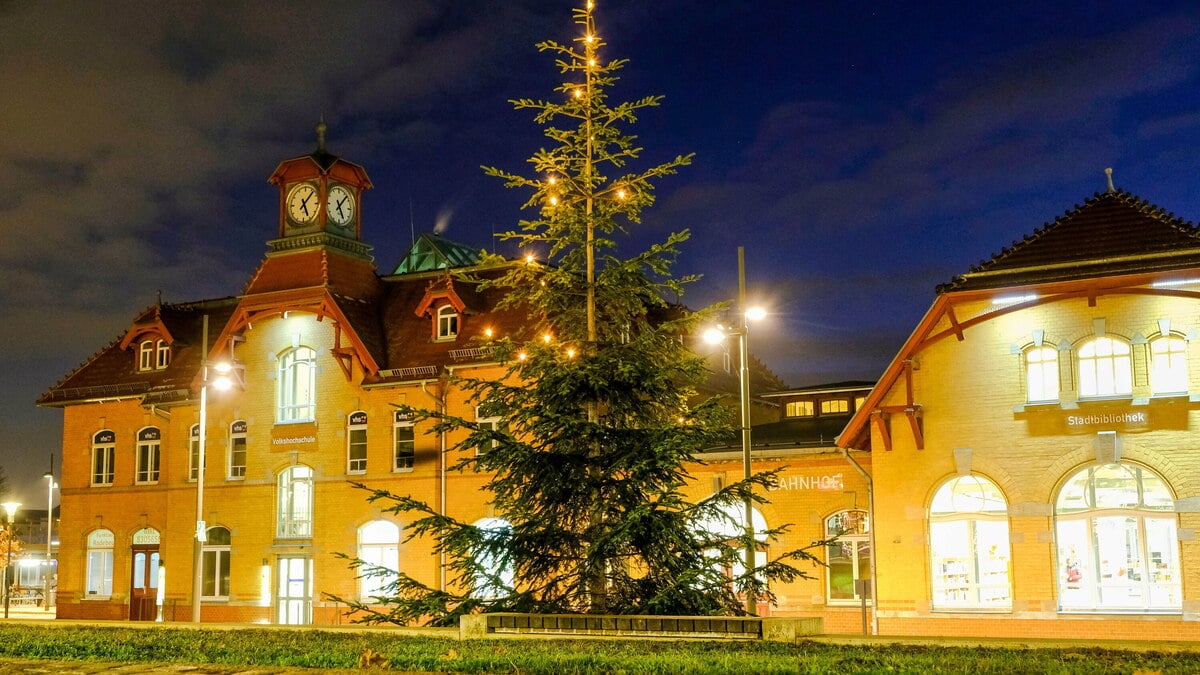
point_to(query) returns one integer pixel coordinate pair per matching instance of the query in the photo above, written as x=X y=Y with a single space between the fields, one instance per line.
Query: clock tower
x=320 y=201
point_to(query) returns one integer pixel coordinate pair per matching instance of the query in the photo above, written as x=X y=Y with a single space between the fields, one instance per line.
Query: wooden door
x=143 y=584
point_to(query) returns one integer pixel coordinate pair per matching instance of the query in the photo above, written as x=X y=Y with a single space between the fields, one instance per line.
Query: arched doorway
x=143 y=577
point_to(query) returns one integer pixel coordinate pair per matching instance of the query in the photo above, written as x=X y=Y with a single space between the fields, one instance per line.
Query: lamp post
x=741 y=331
x=50 y=485
x=11 y=509
x=221 y=381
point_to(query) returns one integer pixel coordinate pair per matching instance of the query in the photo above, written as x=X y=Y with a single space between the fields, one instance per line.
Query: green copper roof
x=431 y=252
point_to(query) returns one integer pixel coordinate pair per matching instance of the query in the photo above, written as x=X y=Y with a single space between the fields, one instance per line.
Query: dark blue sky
x=861 y=152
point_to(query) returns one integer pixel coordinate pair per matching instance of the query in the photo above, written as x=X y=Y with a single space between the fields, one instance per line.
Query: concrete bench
x=499 y=625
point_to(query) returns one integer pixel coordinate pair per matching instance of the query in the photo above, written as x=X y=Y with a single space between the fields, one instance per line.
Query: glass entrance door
x=295 y=591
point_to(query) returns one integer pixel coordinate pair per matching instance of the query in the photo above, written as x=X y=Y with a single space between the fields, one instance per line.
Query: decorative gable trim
x=155 y=329
x=435 y=292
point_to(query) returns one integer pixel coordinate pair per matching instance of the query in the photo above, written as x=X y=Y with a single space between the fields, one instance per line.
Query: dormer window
x=447 y=323
x=146 y=355
x=153 y=355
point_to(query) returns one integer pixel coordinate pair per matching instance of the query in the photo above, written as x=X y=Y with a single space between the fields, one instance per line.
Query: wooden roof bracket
x=954 y=325
x=880 y=422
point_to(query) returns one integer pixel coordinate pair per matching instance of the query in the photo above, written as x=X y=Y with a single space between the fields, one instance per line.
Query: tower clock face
x=302 y=203
x=340 y=205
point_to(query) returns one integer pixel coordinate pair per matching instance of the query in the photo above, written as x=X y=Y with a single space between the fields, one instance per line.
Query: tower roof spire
x=321 y=127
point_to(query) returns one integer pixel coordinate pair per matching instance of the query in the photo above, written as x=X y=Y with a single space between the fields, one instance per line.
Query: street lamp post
x=49 y=532
x=222 y=381
x=741 y=331
x=11 y=509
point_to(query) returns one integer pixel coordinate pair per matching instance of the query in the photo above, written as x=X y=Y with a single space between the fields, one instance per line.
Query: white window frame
x=163 y=354
x=1105 y=368
x=147 y=456
x=238 y=444
x=98 y=582
x=356 y=442
x=447 y=322
x=294 y=515
x=1096 y=521
x=859 y=551
x=969 y=552
x=1168 y=365
x=493 y=423
x=215 y=562
x=193 y=452
x=378 y=545
x=1041 y=374
x=103 y=459
x=297 y=386
x=403 y=436
x=146 y=355
x=482 y=586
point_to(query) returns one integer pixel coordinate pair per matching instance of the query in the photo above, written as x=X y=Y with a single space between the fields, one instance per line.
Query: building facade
x=323 y=347
x=1034 y=456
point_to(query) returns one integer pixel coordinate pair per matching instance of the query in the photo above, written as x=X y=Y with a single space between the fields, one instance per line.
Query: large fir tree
x=601 y=420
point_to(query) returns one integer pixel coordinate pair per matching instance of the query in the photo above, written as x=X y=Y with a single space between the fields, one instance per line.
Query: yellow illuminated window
x=840 y=405
x=800 y=409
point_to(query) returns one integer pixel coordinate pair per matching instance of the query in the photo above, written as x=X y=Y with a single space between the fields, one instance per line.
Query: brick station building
x=326 y=346
x=1034 y=443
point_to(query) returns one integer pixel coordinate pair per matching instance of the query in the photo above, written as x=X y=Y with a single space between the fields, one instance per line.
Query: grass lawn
x=342 y=649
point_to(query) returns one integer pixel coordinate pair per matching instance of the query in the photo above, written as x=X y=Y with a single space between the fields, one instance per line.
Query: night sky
x=861 y=152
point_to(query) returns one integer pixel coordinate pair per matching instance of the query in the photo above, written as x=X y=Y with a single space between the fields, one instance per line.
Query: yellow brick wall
x=967 y=391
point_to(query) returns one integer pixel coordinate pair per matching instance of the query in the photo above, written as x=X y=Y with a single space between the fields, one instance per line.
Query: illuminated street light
x=11 y=509
x=716 y=335
x=50 y=485
x=222 y=380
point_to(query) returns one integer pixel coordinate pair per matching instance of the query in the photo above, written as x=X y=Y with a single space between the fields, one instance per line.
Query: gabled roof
x=1112 y=233
x=1114 y=243
x=432 y=252
x=112 y=373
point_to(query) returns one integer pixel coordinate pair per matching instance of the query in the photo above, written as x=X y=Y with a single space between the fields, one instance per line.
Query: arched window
x=194 y=452
x=146 y=355
x=149 y=452
x=848 y=556
x=297 y=385
x=104 y=450
x=447 y=322
x=215 y=552
x=1105 y=368
x=494 y=571
x=379 y=546
x=968 y=545
x=100 y=564
x=295 y=503
x=1117 y=543
x=237 y=450
x=730 y=526
x=1168 y=365
x=356 y=442
x=164 y=354
x=1041 y=374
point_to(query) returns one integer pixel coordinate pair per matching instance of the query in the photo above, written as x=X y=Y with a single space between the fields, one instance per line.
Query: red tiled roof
x=1111 y=233
x=112 y=371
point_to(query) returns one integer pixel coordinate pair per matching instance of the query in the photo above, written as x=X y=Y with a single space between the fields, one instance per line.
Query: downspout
x=871 y=536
